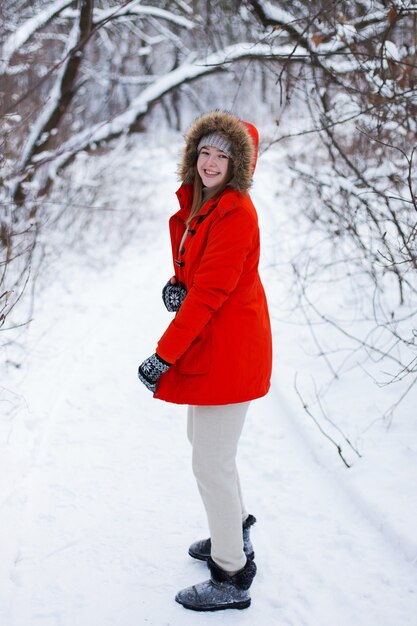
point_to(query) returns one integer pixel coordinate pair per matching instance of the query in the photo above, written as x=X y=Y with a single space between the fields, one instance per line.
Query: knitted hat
x=217 y=141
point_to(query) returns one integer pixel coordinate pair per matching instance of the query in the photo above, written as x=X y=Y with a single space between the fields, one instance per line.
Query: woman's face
x=212 y=165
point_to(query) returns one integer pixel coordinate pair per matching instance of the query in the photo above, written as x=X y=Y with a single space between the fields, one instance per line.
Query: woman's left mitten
x=173 y=296
x=151 y=370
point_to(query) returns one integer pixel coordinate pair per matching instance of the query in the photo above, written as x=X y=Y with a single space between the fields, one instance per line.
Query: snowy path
x=96 y=529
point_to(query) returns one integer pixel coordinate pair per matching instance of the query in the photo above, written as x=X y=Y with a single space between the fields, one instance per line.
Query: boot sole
x=219 y=607
x=205 y=557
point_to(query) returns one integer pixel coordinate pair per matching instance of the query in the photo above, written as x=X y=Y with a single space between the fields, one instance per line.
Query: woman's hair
x=212 y=192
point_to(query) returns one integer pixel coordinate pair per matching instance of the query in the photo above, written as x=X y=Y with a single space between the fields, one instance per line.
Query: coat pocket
x=197 y=359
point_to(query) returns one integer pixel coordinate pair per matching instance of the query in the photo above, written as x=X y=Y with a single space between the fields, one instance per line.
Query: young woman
x=216 y=354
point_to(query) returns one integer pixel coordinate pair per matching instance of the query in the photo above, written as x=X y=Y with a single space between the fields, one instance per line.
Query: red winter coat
x=220 y=340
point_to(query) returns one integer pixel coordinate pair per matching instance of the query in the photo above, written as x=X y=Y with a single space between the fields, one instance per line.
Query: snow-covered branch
x=100 y=16
x=107 y=15
x=62 y=92
x=28 y=29
x=272 y=15
x=185 y=73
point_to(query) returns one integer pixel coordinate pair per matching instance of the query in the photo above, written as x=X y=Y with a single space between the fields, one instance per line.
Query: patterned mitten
x=151 y=370
x=173 y=296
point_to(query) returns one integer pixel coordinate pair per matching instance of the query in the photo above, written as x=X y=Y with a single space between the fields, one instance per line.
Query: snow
x=99 y=504
x=148 y=11
x=346 y=32
x=392 y=51
x=191 y=69
x=131 y=8
x=276 y=14
x=26 y=30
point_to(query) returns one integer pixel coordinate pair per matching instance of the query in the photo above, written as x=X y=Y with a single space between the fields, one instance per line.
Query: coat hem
x=214 y=402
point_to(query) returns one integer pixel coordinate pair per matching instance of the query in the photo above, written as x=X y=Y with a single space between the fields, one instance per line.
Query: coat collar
x=185 y=198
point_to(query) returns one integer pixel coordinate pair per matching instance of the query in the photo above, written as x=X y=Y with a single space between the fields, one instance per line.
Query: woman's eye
x=223 y=156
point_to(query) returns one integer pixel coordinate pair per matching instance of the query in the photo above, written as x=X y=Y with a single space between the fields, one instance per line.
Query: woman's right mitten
x=173 y=296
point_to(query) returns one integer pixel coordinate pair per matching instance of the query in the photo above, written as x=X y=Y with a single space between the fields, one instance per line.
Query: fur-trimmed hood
x=244 y=139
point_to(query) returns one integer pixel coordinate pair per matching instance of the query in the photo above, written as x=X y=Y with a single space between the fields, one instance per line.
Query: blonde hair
x=200 y=198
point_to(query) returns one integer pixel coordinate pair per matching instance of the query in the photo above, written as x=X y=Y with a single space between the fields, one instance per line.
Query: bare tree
x=358 y=84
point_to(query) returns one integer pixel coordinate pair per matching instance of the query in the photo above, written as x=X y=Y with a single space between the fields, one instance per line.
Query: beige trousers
x=214 y=432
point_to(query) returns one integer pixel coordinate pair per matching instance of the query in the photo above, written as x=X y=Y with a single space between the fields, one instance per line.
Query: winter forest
x=98 y=503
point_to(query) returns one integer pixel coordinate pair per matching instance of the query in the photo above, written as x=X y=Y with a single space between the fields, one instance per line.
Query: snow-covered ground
x=98 y=500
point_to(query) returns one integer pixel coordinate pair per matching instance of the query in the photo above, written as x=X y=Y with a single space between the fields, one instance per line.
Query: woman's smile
x=212 y=165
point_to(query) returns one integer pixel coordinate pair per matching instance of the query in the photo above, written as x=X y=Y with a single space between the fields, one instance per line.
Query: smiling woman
x=216 y=354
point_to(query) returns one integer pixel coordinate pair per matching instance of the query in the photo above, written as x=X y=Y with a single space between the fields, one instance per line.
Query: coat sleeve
x=230 y=240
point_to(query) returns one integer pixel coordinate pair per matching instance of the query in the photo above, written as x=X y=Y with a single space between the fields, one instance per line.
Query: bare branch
x=317 y=423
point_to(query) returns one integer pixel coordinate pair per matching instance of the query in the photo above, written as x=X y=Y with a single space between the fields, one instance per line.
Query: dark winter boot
x=202 y=549
x=222 y=591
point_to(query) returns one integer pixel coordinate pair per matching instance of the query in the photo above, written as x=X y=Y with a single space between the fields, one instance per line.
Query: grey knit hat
x=217 y=141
